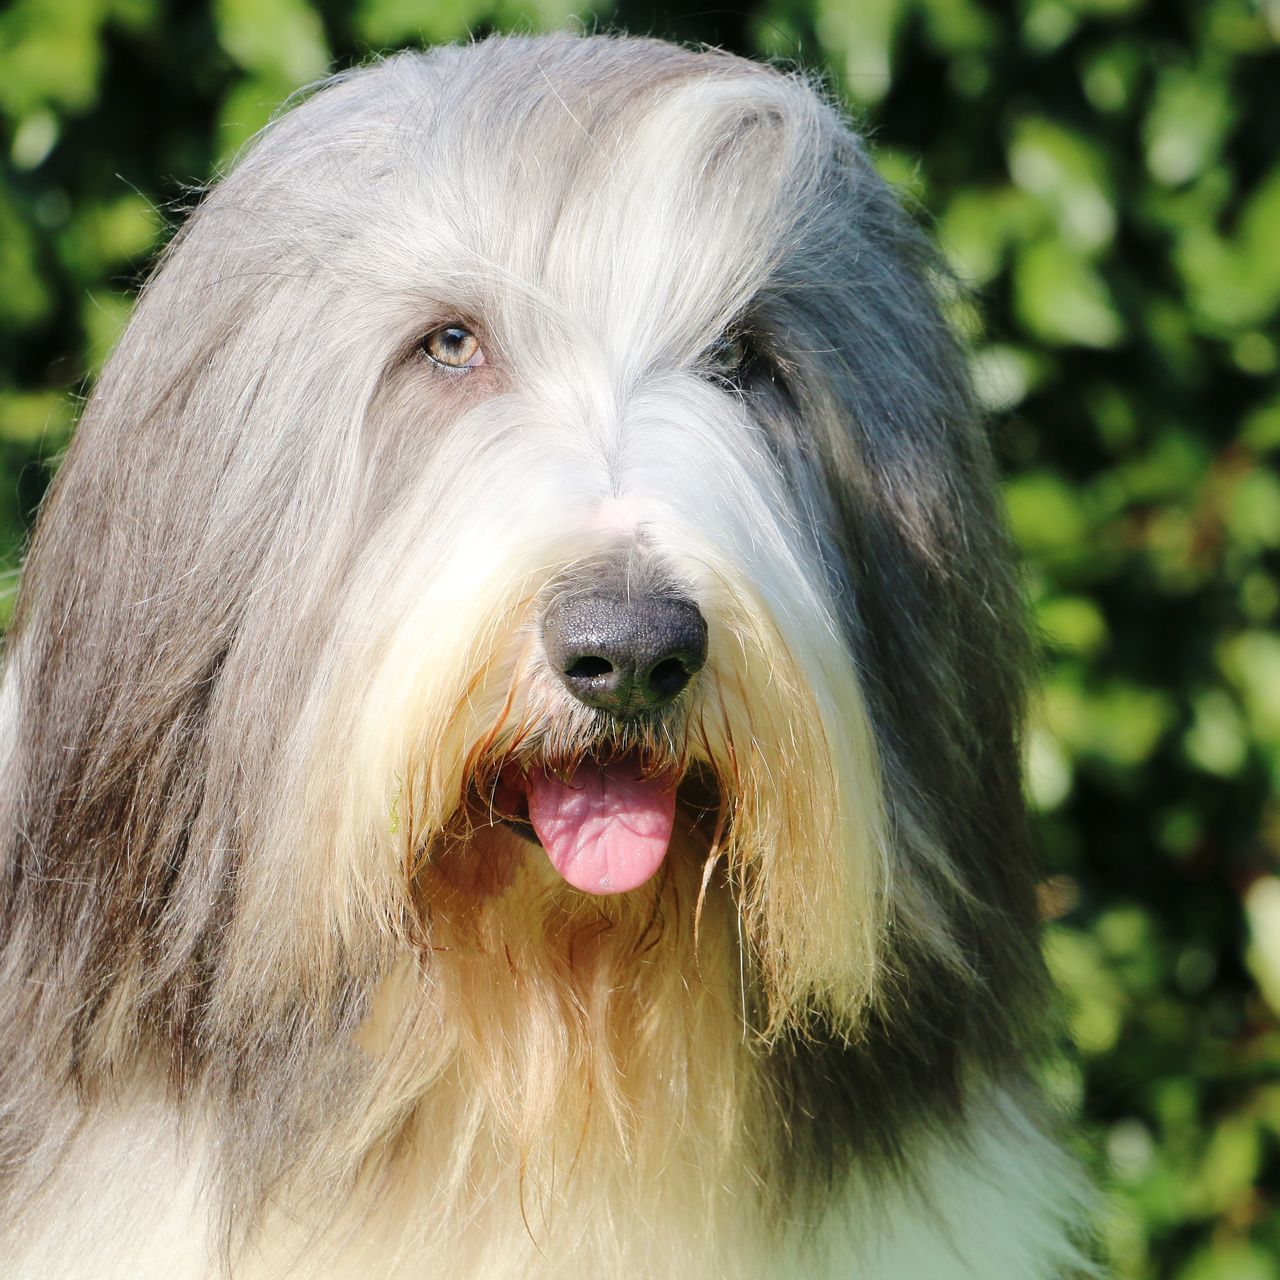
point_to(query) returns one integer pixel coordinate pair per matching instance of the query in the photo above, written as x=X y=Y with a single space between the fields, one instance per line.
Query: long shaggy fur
x=280 y=994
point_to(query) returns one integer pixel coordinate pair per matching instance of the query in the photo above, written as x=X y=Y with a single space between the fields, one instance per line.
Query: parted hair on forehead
x=510 y=732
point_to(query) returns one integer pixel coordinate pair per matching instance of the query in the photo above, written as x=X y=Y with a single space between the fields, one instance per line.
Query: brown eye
x=729 y=357
x=730 y=352
x=454 y=347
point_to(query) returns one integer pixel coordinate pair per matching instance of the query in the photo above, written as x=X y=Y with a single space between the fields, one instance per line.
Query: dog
x=511 y=722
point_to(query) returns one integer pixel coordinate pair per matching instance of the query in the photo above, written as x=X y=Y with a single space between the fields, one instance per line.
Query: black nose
x=623 y=653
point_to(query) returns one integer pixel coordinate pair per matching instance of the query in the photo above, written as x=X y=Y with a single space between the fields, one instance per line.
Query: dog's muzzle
x=626 y=647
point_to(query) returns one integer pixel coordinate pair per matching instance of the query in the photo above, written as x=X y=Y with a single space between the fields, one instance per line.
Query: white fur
x=991 y=1213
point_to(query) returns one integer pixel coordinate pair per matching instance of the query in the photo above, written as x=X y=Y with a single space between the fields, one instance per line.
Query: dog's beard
x=748 y=778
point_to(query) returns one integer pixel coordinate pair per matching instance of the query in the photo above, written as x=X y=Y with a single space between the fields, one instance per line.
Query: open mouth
x=606 y=824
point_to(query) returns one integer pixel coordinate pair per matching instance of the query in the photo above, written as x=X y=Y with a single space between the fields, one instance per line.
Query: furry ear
x=932 y=609
x=150 y=672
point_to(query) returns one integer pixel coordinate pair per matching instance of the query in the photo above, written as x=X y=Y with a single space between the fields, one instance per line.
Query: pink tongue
x=607 y=829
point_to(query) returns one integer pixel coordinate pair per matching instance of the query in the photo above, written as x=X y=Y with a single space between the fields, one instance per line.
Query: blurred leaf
x=1255 y=352
x=1110 y=74
x=1232 y=1260
x=1251 y=510
x=1068 y=177
x=1045 y=513
x=1047 y=24
x=1258 y=225
x=1072 y=622
x=979 y=226
x=279 y=40
x=1127 y=938
x=107 y=235
x=393 y=21
x=958 y=26
x=1252 y=662
x=1096 y=1004
x=1118 y=723
x=1247 y=26
x=1003 y=375
x=1170 y=470
x=542 y=15
x=863 y=36
x=1236 y=282
x=1062 y=299
x=1189 y=114
x=24 y=298
x=1229 y=1165
x=247 y=108
x=1217 y=740
x=1262 y=907
x=1048 y=769
x=36 y=417
x=33 y=139
x=1131 y=1149
x=104 y=315
x=1261 y=428
x=49 y=55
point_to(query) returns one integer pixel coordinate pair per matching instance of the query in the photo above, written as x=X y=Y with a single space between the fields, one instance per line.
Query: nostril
x=589 y=667
x=668 y=677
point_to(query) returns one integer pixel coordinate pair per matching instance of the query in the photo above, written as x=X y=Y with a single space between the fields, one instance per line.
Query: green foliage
x=1103 y=174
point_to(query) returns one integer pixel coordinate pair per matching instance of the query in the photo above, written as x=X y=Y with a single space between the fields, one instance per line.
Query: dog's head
x=550 y=441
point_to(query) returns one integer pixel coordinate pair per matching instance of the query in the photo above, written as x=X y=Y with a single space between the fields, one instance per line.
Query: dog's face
x=542 y=443
x=518 y=675
x=565 y=532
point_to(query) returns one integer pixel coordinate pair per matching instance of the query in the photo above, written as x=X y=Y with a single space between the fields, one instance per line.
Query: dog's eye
x=729 y=355
x=454 y=347
x=734 y=360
